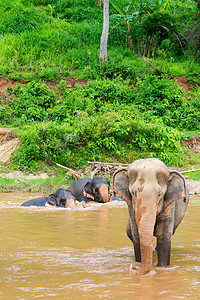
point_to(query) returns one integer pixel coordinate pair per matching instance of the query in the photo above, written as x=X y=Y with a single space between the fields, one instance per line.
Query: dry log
x=73 y=173
x=188 y=171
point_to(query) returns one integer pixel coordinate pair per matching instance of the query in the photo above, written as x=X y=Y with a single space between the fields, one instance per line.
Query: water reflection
x=84 y=253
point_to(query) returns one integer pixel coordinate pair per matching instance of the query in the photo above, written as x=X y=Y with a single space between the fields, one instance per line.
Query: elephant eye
x=160 y=195
x=62 y=200
x=134 y=194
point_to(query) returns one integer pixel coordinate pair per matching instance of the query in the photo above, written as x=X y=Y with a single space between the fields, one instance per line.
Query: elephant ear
x=121 y=185
x=87 y=192
x=177 y=192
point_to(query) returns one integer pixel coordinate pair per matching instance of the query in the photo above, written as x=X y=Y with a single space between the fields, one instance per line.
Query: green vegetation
x=132 y=106
x=194 y=175
x=33 y=185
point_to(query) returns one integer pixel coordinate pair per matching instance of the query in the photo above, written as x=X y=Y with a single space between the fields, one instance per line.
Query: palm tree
x=125 y=14
x=137 y=15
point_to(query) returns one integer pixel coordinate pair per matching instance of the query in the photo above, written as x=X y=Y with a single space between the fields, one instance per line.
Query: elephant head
x=157 y=201
x=61 y=198
x=97 y=189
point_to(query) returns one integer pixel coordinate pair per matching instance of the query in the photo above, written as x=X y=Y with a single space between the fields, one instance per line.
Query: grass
x=194 y=175
x=47 y=185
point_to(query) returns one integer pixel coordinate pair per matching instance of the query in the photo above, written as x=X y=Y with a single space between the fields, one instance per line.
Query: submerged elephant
x=87 y=189
x=157 y=199
x=61 y=198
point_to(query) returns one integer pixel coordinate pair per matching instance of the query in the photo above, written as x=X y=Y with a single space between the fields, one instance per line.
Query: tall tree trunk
x=104 y=37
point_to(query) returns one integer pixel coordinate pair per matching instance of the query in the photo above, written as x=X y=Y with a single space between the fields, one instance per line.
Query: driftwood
x=75 y=174
x=188 y=171
x=102 y=168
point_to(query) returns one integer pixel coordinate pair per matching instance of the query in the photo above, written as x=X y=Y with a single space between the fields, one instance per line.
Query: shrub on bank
x=153 y=97
x=113 y=134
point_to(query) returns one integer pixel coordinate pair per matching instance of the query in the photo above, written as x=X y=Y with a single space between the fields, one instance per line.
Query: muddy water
x=50 y=253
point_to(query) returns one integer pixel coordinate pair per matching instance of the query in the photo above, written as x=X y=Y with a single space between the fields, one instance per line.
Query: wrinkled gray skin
x=87 y=189
x=157 y=199
x=61 y=198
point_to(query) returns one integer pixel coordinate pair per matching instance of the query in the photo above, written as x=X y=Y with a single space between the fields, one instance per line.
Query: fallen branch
x=74 y=173
x=65 y=168
x=94 y=172
x=192 y=170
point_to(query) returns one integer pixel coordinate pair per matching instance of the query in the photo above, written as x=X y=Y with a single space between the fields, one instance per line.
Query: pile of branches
x=99 y=168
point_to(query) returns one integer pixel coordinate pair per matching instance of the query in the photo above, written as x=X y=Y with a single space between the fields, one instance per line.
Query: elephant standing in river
x=61 y=198
x=87 y=189
x=157 y=199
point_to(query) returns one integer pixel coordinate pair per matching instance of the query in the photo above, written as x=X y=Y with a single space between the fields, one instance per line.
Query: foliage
x=17 y=18
x=133 y=107
x=30 y=103
x=88 y=138
x=57 y=38
x=48 y=185
x=104 y=118
x=163 y=98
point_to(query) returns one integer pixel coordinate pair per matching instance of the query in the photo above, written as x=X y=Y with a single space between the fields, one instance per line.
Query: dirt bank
x=8 y=143
x=71 y=82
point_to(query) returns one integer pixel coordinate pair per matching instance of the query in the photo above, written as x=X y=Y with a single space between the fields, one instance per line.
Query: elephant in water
x=157 y=199
x=61 y=198
x=86 y=189
x=83 y=190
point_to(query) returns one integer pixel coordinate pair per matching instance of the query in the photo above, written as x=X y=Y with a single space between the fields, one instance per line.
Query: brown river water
x=56 y=253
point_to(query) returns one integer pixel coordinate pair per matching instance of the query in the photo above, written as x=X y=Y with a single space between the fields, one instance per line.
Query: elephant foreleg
x=132 y=233
x=129 y=230
x=163 y=249
x=163 y=232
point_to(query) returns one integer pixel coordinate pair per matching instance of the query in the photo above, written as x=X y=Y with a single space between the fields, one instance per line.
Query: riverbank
x=43 y=183
x=12 y=182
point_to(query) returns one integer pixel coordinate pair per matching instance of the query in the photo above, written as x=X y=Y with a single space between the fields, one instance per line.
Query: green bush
x=118 y=134
x=164 y=98
x=107 y=91
x=17 y=18
x=42 y=142
x=28 y=103
x=154 y=98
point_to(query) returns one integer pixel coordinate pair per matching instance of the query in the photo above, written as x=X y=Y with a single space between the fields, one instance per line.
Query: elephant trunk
x=145 y=220
x=104 y=193
x=70 y=203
